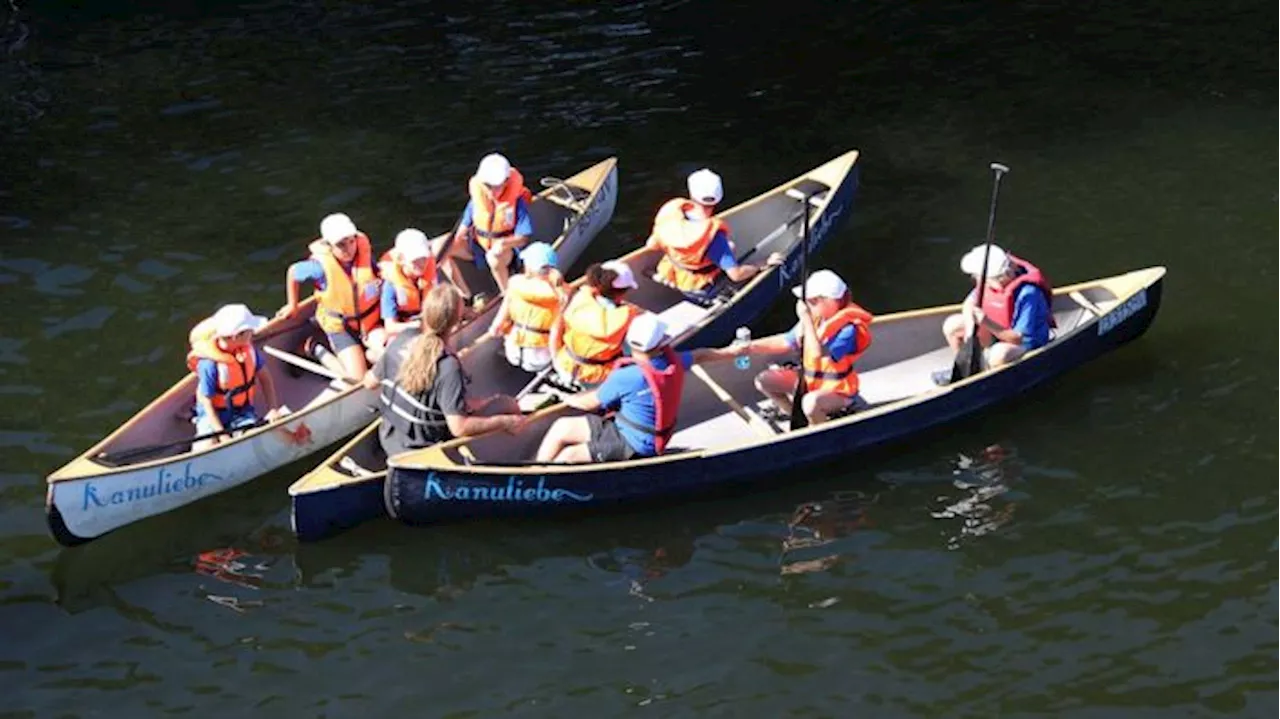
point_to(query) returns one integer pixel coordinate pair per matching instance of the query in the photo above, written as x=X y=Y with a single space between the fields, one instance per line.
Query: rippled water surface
x=1104 y=546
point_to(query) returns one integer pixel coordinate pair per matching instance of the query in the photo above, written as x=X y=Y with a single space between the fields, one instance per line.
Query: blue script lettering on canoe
x=166 y=482
x=513 y=491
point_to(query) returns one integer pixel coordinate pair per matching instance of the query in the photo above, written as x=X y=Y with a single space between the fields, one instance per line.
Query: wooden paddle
x=798 y=418
x=969 y=357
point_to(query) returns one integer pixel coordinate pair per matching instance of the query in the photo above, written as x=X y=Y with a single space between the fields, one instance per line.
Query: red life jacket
x=666 y=386
x=998 y=305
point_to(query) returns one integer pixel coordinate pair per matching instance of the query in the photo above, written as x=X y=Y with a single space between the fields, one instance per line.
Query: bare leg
x=1002 y=353
x=498 y=265
x=818 y=406
x=563 y=433
x=575 y=454
x=459 y=250
x=351 y=363
x=953 y=330
x=778 y=385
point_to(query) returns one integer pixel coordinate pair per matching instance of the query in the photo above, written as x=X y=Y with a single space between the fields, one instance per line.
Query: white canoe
x=92 y=494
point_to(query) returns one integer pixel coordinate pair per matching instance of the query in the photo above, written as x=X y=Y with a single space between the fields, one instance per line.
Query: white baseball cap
x=493 y=170
x=336 y=228
x=231 y=320
x=971 y=263
x=823 y=283
x=625 y=280
x=646 y=332
x=412 y=245
x=705 y=187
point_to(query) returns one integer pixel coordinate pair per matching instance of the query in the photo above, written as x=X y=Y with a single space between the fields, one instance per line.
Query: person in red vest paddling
x=1014 y=317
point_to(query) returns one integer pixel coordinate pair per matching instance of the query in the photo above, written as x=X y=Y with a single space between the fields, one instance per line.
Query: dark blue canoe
x=349 y=487
x=722 y=439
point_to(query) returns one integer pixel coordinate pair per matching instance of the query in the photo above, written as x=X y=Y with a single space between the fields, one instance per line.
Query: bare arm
x=585 y=401
x=470 y=425
x=206 y=404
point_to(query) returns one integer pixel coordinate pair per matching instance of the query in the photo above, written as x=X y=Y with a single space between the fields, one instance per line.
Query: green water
x=1102 y=547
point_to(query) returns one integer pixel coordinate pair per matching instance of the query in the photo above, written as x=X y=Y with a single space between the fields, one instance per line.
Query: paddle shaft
x=798 y=418
x=974 y=356
x=129 y=454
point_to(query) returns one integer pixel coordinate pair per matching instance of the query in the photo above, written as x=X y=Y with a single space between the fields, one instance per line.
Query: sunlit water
x=1104 y=546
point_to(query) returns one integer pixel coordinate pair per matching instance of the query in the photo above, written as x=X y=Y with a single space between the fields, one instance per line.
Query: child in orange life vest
x=695 y=244
x=588 y=337
x=530 y=307
x=408 y=272
x=348 y=296
x=836 y=332
x=495 y=223
x=229 y=369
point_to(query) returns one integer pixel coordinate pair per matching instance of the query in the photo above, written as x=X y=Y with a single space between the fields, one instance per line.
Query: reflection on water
x=984 y=506
x=818 y=525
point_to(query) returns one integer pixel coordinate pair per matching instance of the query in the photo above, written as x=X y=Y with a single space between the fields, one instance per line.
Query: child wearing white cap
x=836 y=331
x=530 y=307
x=495 y=223
x=408 y=271
x=1015 y=315
x=229 y=369
x=695 y=243
x=589 y=337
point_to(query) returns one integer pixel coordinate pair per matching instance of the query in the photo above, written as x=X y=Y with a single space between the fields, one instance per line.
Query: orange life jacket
x=533 y=307
x=592 y=337
x=998 y=304
x=352 y=301
x=684 y=244
x=828 y=375
x=237 y=373
x=493 y=217
x=409 y=292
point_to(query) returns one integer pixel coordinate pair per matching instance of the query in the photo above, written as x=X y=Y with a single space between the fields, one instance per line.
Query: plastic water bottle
x=743 y=338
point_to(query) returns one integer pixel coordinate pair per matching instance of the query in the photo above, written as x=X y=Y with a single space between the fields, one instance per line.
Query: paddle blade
x=798 y=418
x=968 y=361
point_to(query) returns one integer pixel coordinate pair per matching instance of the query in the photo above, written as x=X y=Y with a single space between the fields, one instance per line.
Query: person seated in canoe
x=642 y=391
x=421 y=386
x=529 y=309
x=349 y=295
x=588 y=338
x=696 y=246
x=494 y=225
x=836 y=331
x=229 y=369
x=408 y=271
x=1015 y=315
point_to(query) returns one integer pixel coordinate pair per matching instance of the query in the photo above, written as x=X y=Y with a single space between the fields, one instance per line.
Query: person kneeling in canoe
x=1015 y=315
x=495 y=222
x=695 y=243
x=228 y=370
x=349 y=296
x=530 y=307
x=589 y=336
x=836 y=331
x=408 y=271
x=422 y=390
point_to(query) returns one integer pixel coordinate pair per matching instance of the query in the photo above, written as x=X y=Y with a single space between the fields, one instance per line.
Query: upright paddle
x=798 y=418
x=969 y=357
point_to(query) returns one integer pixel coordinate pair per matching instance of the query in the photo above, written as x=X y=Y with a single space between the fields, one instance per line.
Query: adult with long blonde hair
x=421 y=387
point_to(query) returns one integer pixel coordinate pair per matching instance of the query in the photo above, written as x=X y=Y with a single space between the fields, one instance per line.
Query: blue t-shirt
x=524 y=223
x=1031 y=317
x=626 y=391
x=844 y=342
x=721 y=253
x=207 y=386
x=312 y=271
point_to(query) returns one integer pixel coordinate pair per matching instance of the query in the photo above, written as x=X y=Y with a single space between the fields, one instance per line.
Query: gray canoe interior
x=770 y=225
x=900 y=363
x=170 y=420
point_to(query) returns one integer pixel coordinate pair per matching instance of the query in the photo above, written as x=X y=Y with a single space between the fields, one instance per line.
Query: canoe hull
x=85 y=508
x=427 y=496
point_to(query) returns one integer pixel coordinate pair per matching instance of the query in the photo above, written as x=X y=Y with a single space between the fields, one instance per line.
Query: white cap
x=646 y=332
x=412 y=245
x=625 y=280
x=231 y=320
x=336 y=228
x=705 y=187
x=493 y=169
x=971 y=263
x=823 y=283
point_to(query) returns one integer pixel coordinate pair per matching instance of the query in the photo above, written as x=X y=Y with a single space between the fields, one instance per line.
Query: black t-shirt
x=413 y=421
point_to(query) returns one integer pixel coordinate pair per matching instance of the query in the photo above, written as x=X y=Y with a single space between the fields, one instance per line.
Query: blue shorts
x=231 y=419
x=477 y=255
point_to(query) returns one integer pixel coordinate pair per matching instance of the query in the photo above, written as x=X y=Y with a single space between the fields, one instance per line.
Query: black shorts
x=606 y=443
